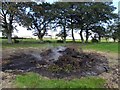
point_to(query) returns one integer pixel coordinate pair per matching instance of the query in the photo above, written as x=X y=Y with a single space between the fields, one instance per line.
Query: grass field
x=103 y=46
x=32 y=80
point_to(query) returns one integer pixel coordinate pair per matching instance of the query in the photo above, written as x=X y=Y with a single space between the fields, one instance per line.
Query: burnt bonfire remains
x=58 y=62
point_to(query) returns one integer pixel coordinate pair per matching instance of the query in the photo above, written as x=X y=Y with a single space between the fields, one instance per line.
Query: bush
x=48 y=41
x=59 y=41
x=94 y=40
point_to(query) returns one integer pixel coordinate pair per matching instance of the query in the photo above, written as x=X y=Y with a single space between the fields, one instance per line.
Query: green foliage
x=85 y=16
x=37 y=18
x=32 y=80
x=116 y=30
x=8 y=11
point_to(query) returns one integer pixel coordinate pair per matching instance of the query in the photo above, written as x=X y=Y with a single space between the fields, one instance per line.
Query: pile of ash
x=58 y=62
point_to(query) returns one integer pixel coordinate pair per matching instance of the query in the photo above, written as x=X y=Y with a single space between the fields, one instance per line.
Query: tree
x=74 y=17
x=114 y=36
x=103 y=15
x=116 y=31
x=99 y=30
x=61 y=34
x=8 y=12
x=94 y=16
x=37 y=18
x=61 y=10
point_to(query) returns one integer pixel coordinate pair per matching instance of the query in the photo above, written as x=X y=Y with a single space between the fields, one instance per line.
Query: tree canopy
x=86 y=17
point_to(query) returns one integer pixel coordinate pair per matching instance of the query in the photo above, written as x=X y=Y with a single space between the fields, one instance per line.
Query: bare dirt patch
x=60 y=62
x=57 y=62
x=112 y=77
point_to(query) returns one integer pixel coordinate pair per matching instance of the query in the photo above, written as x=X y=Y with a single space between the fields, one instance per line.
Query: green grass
x=27 y=43
x=32 y=80
x=104 y=47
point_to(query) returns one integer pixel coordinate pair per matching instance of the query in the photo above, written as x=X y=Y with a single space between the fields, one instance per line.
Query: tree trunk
x=87 y=36
x=99 y=38
x=114 y=39
x=81 y=36
x=73 y=35
x=40 y=38
x=9 y=36
x=106 y=39
x=41 y=35
x=10 y=28
x=72 y=30
x=64 y=40
x=118 y=40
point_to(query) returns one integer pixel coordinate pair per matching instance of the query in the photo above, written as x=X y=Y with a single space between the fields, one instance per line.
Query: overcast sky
x=23 y=32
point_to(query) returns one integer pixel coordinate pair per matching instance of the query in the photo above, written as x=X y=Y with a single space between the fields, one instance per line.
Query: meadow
x=32 y=43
